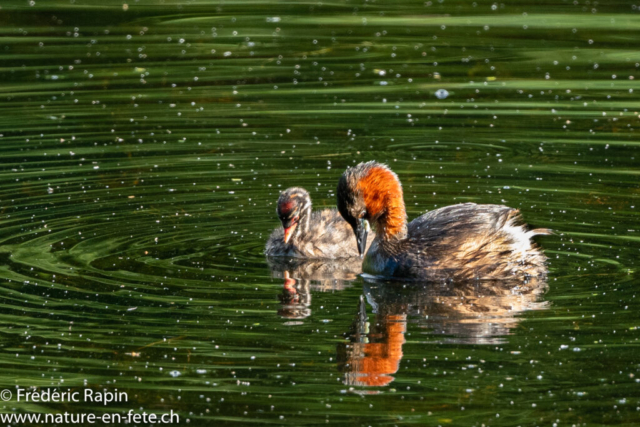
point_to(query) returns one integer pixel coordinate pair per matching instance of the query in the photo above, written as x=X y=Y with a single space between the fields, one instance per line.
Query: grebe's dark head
x=351 y=203
x=372 y=192
x=294 y=207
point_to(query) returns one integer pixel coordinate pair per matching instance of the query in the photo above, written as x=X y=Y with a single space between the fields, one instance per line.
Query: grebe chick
x=306 y=234
x=459 y=242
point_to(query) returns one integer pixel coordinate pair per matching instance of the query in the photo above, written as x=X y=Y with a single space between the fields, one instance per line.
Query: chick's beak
x=362 y=229
x=288 y=231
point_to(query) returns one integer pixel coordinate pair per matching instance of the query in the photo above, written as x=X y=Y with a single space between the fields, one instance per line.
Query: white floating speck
x=442 y=93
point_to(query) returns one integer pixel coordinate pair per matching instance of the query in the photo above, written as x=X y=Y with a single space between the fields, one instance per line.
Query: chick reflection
x=301 y=276
x=469 y=313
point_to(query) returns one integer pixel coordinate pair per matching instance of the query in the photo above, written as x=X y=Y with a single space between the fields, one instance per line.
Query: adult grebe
x=464 y=241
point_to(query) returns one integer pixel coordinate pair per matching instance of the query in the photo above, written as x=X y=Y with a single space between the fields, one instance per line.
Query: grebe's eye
x=362 y=214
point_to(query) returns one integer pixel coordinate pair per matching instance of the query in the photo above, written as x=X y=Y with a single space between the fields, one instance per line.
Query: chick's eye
x=362 y=214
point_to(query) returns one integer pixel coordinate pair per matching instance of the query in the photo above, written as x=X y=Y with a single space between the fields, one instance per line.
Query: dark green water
x=144 y=146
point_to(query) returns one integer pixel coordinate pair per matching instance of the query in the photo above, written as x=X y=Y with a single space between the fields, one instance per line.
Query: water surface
x=144 y=146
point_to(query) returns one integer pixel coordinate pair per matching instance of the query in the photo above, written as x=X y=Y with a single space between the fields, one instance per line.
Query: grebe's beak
x=288 y=231
x=362 y=229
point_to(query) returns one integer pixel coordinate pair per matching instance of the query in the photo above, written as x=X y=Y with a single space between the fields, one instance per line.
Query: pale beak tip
x=288 y=233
